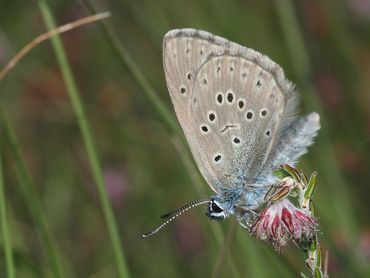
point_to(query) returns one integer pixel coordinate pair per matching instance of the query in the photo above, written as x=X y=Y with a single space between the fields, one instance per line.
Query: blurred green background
x=324 y=47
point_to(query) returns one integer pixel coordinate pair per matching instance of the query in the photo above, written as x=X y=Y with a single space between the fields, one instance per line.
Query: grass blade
x=225 y=252
x=5 y=229
x=31 y=196
x=43 y=37
x=88 y=141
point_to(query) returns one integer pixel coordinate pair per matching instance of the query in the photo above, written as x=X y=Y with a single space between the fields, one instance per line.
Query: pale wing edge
x=260 y=59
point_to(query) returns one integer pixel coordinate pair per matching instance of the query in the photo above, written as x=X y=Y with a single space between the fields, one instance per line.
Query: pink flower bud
x=283 y=221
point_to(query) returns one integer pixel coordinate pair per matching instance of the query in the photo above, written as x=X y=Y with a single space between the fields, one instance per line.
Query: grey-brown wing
x=184 y=51
x=232 y=103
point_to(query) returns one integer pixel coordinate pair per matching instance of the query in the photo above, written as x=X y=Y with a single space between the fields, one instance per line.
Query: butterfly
x=238 y=113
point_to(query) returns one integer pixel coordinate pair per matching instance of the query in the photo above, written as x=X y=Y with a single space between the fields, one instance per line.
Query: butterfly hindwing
x=293 y=143
x=236 y=109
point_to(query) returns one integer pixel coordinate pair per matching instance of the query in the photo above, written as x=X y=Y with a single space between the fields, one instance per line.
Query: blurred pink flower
x=364 y=245
x=329 y=90
x=189 y=238
x=349 y=158
x=282 y=221
x=315 y=19
x=361 y=7
x=4 y=49
x=116 y=184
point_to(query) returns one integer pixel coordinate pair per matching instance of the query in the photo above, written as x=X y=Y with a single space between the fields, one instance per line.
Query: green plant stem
x=31 y=196
x=10 y=269
x=314 y=256
x=88 y=141
x=224 y=251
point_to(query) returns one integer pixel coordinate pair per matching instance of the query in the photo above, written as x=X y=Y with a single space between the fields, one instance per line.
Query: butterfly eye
x=216 y=208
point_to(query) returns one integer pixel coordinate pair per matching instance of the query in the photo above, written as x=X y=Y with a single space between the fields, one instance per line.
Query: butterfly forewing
x=230 y=102
x=184 y=51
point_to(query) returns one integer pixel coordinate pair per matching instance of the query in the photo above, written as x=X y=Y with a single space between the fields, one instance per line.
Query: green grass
x=5 y=227
x=88 y=142
x=31 y=197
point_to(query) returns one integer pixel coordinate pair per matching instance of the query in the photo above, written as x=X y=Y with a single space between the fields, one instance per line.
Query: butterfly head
x=218 y=209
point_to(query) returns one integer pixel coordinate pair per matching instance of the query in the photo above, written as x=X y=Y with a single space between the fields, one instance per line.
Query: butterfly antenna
x=176 y=213
x=185 y=208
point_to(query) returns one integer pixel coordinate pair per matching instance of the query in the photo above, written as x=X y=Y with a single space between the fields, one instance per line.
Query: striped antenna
x=176 y=213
